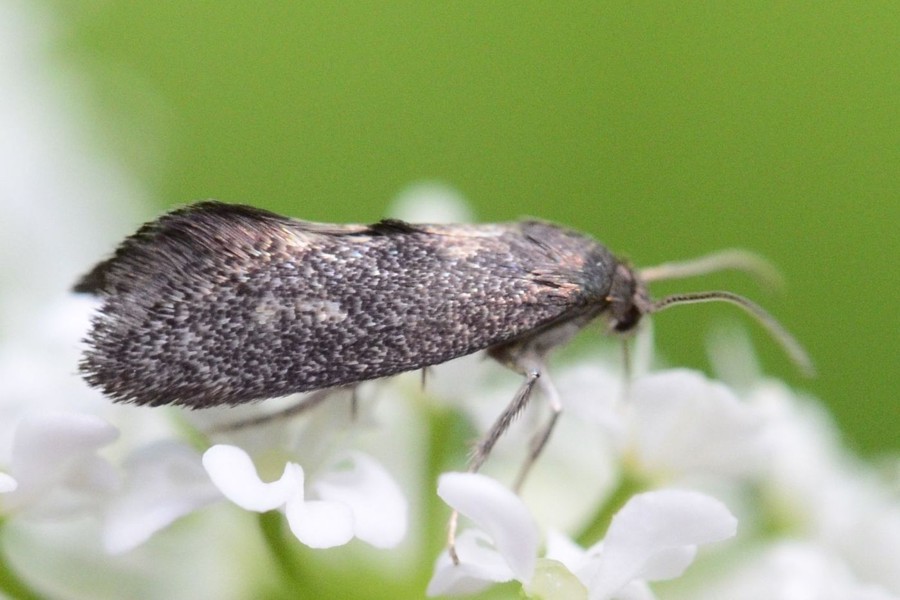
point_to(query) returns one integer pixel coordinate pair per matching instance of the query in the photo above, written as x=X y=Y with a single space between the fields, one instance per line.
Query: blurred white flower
x=163 y=482
x=790 y=570
x=430 y=202
x=356 y=497
x=823 y=493
x=56 y=467
x=7 y=483
x=680 y=423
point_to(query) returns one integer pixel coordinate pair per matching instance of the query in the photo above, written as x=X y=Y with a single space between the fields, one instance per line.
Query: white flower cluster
x=653 y=537
x=749 y=488
x=698 y=464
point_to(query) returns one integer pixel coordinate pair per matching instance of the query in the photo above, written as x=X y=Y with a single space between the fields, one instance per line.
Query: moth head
x=629 y=299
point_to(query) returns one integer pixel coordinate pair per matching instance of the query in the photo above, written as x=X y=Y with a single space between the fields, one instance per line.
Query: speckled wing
x=222 y=304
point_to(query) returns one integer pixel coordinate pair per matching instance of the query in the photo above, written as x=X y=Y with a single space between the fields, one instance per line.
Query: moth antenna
x=726 y=260
x=778 y=332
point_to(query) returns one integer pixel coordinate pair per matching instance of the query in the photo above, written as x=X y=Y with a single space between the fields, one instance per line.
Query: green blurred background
x=665 y=129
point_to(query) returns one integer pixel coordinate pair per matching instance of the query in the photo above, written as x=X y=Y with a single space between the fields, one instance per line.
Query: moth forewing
x=219 y=304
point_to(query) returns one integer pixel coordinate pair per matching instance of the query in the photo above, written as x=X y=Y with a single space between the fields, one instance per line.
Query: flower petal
x=668 y=563
x=635 y=590
x=232 y=471
x=480 y=566
x=44 y=443
x=795 y=569
x=561 y=548
x=164 y=482
x=377 y=503
x=685 y=423
x=7 y=483
x=55 y=465
x=320 y=524
x=430 y=202
x=498 y=512
x=652 y=535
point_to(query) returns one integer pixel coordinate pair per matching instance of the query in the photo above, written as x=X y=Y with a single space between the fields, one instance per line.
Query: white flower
x=831 y=497
x=792 y=570
x=430 y=202
x=652 y=538
x=7 y=483
x=163 y=482
x=55 y=465
x=671 y=424
x=504 y=549
x=682 y=423
x=356 y=497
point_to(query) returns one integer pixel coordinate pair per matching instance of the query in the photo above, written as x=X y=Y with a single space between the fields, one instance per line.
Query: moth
x=217 y=304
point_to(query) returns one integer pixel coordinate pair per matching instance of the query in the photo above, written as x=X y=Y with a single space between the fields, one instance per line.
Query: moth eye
x=628 y=320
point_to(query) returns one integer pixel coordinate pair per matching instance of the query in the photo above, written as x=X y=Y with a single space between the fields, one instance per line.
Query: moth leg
x=627 y=369
x=539 y=441
x=483 y=448
x=354 y=404
x=304 y=404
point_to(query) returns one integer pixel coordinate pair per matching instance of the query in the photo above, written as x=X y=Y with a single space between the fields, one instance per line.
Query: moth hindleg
x=301 y=406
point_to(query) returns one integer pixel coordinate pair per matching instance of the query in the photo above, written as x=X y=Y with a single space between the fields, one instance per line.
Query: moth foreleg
x=483 y=448
x=539 y=441
x=531 y=366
